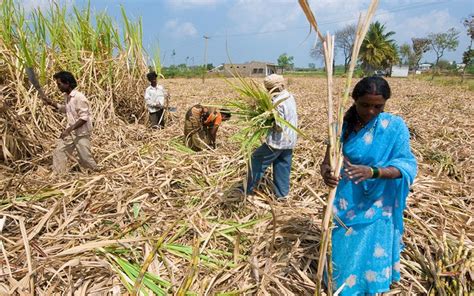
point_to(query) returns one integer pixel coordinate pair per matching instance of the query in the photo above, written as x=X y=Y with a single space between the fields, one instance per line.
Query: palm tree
x=378 y=50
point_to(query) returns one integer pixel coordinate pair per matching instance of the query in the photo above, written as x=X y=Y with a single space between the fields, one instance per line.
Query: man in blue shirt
x=278 y=147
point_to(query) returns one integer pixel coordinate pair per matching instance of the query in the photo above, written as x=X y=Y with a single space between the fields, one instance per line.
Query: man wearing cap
x=278 y=147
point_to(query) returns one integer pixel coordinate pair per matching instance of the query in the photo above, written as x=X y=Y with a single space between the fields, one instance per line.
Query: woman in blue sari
x=379 y=168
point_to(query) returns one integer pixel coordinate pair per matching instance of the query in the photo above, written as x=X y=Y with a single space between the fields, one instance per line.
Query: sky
x=262 y=30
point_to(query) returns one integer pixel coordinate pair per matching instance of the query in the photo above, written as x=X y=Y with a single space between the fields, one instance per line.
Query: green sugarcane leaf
x=136 y=210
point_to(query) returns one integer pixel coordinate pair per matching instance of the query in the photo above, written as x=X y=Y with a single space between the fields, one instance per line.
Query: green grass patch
x=450 y=80
x=178 y=145
x=34 y=197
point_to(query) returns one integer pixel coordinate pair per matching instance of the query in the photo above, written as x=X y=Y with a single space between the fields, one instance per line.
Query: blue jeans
x=281 y=161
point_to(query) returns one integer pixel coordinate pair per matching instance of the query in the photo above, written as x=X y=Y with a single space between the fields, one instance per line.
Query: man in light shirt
x=278 y=147
x=76 y=136
x=155 y=96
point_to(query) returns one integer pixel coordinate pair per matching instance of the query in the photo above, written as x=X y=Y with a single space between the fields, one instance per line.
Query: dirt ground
x=83 y=226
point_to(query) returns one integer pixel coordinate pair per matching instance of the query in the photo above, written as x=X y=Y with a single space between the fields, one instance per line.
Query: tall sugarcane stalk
x=87 y=44
x=335 y=127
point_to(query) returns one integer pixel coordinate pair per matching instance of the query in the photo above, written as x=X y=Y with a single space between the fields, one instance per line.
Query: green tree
x=406 y=54
x=285 y=61
x=317 y=51
x=378 y=50
x=468 y=55
x=442 y=42
x=420 y=46
x=173 y=54
x=467 y=59
x=344 y=40
x=445 y=65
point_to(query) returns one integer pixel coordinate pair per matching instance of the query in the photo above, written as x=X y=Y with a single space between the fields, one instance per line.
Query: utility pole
x=205 y=57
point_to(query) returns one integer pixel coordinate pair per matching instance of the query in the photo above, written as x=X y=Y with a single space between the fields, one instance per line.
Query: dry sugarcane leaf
x=146 y=168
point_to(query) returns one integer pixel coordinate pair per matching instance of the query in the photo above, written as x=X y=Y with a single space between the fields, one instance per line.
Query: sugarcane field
x=120 y=175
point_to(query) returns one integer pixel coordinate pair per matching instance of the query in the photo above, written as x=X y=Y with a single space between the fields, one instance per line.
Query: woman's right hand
x=328 y=176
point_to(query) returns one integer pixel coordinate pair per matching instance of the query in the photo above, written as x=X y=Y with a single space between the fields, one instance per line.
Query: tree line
x=380 y=51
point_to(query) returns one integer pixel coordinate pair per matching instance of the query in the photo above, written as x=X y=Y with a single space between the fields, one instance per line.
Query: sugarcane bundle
x=334 y=127
x=255 y=112
x=88 y=45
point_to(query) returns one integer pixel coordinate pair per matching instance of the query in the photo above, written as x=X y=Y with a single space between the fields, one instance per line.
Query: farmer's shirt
x=155 y=98
x=196 y=115
x=214 y=118
x=286 y=139
x=77 y=107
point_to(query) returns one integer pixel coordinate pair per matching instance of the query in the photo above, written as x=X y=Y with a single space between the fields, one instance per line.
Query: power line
x=400 y=8
x=328 y=22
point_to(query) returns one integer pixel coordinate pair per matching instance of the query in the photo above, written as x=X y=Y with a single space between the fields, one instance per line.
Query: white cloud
x=30 y=5
x=384 y=16
x=329 y=9
x=422 y=24
x=192 y=3
x=404 y=17
x=278 y=15
x=177 y=29
x=395 y=14
x=251 y=16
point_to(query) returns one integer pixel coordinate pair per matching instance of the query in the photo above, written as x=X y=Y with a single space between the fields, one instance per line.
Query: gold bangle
x=372 y=172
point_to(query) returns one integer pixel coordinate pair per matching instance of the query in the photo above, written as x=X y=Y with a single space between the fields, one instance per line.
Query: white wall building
x=399 y=71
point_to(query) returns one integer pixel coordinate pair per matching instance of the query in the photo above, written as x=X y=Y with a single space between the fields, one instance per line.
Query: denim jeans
x=281 y=161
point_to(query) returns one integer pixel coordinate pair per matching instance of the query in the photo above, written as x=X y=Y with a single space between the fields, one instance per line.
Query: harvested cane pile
x=90 y=234
x=109 y=65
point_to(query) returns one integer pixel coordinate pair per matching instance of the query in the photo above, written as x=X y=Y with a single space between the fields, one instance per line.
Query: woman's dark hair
x=225 y=113
x=66 y=77
x=369 y=85
x=151 y=75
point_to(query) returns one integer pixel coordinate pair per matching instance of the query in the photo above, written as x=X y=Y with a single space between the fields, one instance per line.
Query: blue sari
x=366 y=256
